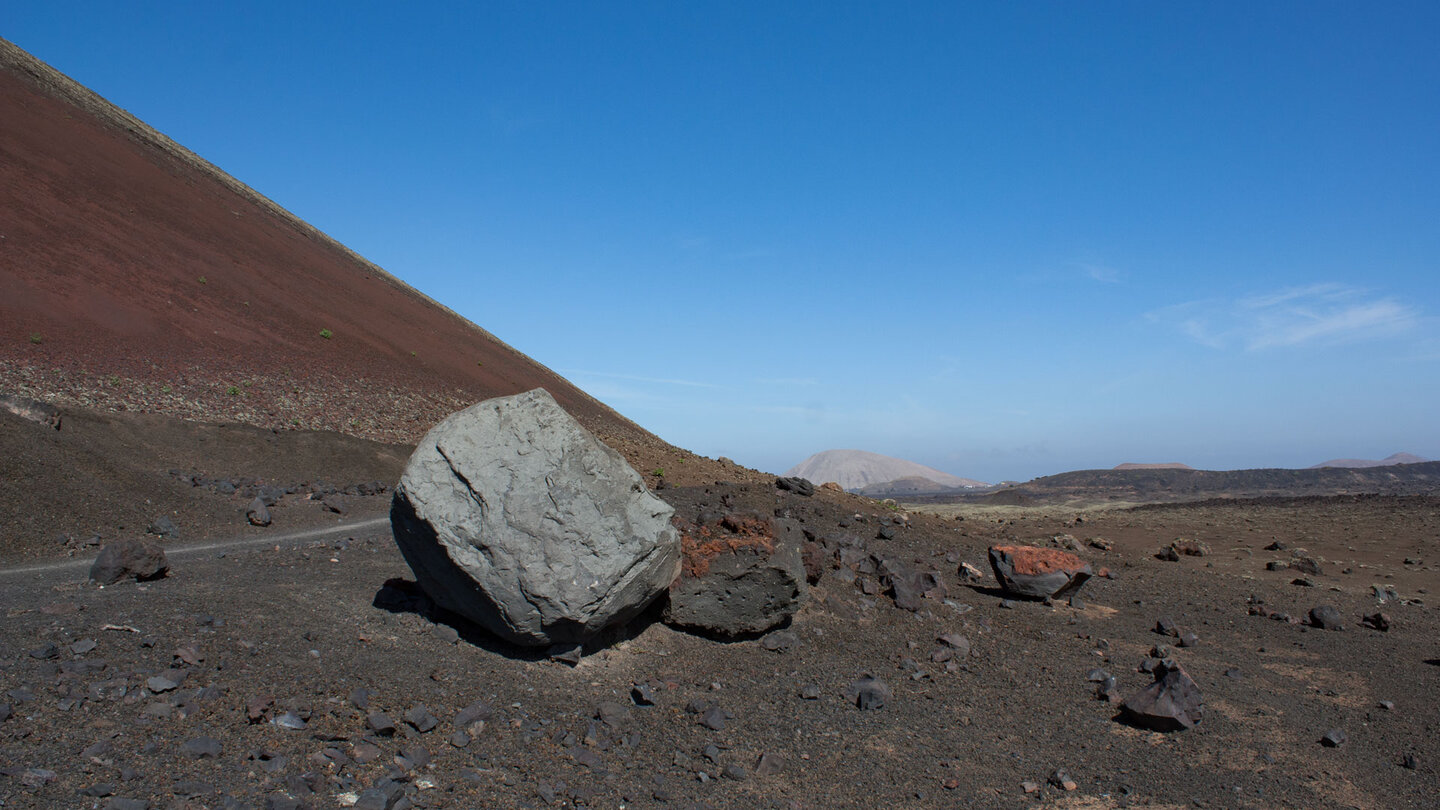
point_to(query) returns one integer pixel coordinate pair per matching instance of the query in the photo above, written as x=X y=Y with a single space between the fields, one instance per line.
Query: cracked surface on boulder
x=515 y=517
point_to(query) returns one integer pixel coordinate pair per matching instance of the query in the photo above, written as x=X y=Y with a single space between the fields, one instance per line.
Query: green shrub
x=326 y=333
x=35 y=338
x=233 y=390
x=204 y=280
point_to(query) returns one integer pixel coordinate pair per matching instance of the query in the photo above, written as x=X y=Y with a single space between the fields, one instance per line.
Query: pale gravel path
x=53 y=572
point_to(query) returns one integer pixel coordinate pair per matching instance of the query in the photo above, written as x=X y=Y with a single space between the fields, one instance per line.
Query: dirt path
x=50 y=573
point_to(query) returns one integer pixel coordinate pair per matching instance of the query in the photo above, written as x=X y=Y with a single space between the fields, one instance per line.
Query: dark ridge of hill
x=1171 y=465
x=136 y=276
x=1394 y=458
x=1174 y=485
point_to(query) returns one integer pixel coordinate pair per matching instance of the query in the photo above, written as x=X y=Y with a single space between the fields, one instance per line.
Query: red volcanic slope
x=128 y=259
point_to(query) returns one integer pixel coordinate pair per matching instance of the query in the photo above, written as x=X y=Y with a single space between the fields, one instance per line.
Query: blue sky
x=1004 y=240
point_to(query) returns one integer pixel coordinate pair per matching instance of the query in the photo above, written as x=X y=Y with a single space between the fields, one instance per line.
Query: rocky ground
x=300 y=672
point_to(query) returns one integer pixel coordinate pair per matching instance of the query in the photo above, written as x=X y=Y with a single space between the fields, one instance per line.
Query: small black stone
x=421 y=718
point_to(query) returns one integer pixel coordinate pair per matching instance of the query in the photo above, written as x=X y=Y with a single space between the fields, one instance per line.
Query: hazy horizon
x=1003 y=241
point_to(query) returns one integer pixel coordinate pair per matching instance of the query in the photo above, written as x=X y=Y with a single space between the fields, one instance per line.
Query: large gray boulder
x=515 y=517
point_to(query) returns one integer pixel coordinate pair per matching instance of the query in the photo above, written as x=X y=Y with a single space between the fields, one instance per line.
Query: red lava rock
x=741 y=574
x=1038 y=572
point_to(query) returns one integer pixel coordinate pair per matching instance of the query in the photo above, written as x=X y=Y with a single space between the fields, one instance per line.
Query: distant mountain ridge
x=1172 y=485
x=1358 y=463
x=859 y=470
x=1169 y=465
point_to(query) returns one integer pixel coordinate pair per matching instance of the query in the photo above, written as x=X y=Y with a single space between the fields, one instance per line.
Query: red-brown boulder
x=1038 y=572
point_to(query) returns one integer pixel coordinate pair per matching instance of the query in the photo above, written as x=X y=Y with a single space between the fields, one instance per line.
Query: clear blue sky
x=1001 y=239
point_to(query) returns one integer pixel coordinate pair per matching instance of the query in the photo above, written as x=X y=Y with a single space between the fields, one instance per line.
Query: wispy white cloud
x=788 y=410
x=1316 y=314
x=1100 y=273
x=787 y=381
x=637 y=378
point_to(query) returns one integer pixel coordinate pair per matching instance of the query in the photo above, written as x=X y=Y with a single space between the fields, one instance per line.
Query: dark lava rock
x=1306 y=565
x=46 y=651
x=1168 y=554
x=1167 y=626
x=163 y=527
x=566 y=653
x=1326 y=617
x=201 y=748
x=142 y=559
x=714 y=718
x=1377 y=621
x=381 y=724
x=1171 y=703
x=1334 y=738
x=476 y=712
x=868 y=693
x=377 y=798
x=1037 y=572
x=421 y=719
x=739 y=575
x=908 y=586
x=799 y=486
x=780 y=641
x=955 y=641
x=166 y=681
x=642 y=694
x=289 y=721
x=770 y=764
x=1188 y=638
x=611 y=713
x=258 y=514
